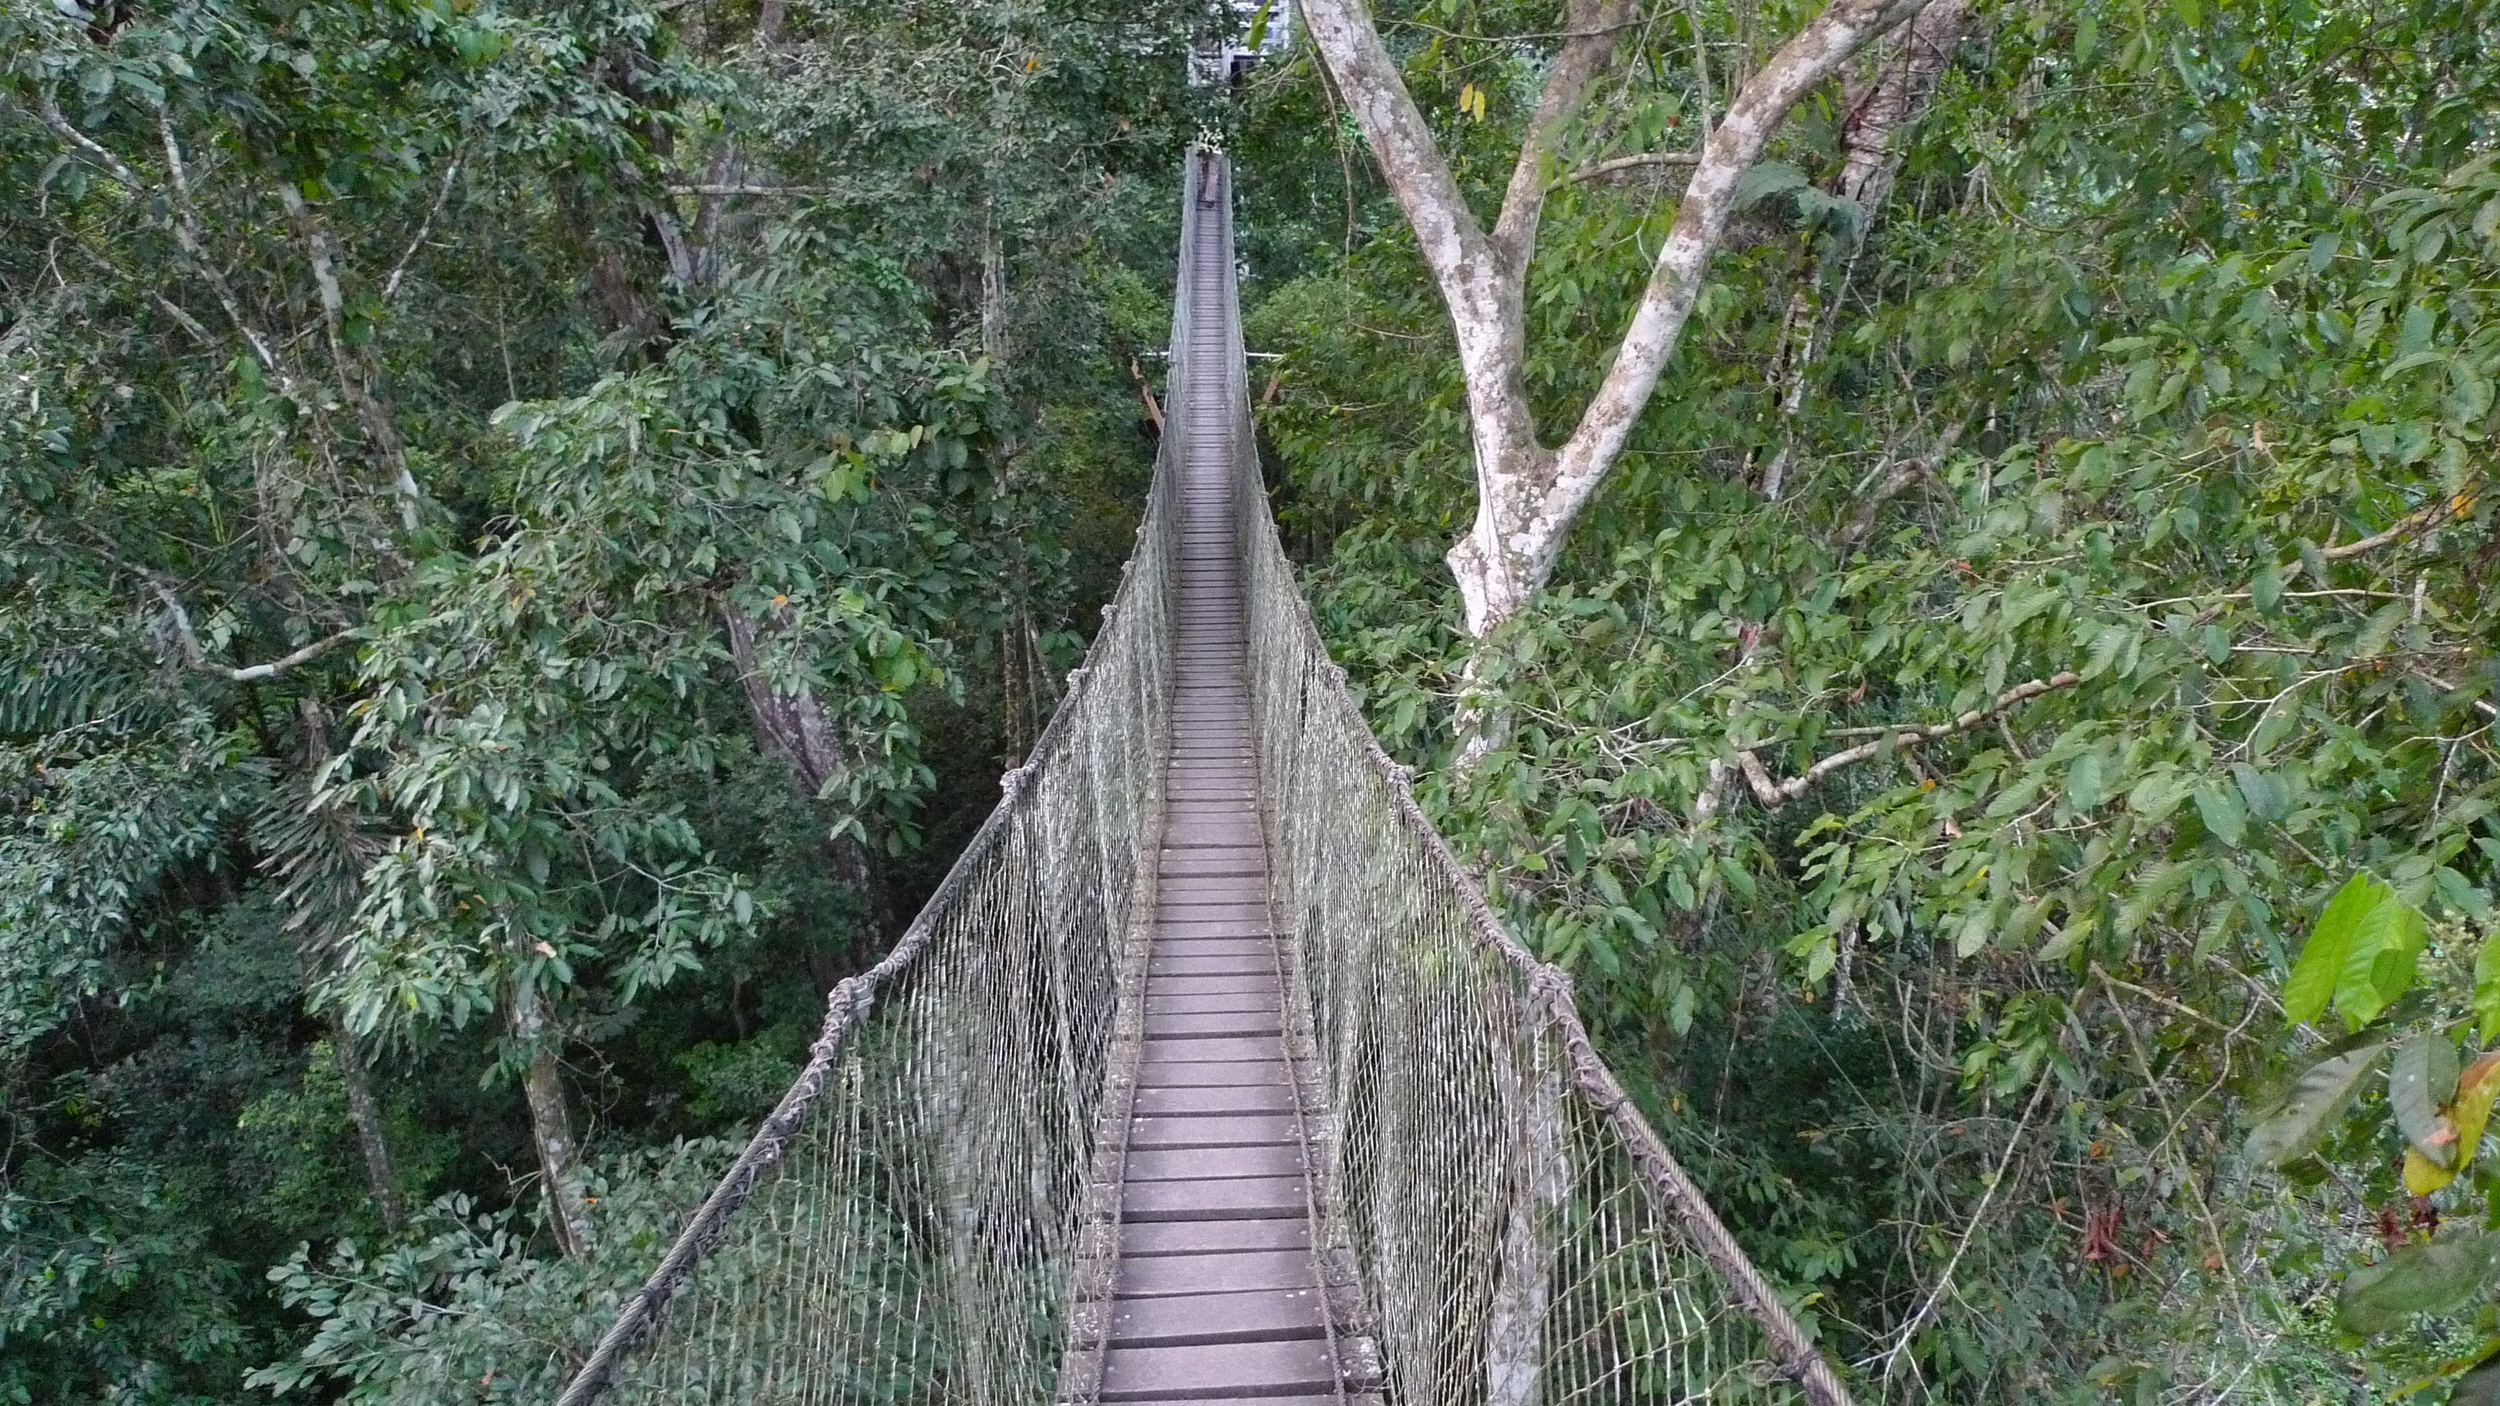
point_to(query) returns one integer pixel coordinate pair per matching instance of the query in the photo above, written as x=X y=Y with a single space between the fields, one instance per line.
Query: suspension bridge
x=1207 y=1075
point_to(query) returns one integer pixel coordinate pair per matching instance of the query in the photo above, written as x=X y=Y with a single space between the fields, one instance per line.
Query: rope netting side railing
x=1524 y=1236
x=900 y=1228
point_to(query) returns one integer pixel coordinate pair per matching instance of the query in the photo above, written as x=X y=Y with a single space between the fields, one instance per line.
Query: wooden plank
x=1159 y=965
x=1175 y=1074
x=1187 y=910
x=1231 y=1198
x=1213 y=1370
x=1232 y=1051
x=1209 y=1002
x=1194 y=940
x=1262 y=947
x=1179 y=890
x=1232 y=1130
x=1240 y=1271
x=1227 y=985
x=1202 y=1101
x=1203 y=1025
x=1211 y=831
x=1213 y=861
x=1184 y=924
x=1329 y=1399
x=1179 y=937
x=1203 y=1163
x=1219 y=1318
x=1148 y=1239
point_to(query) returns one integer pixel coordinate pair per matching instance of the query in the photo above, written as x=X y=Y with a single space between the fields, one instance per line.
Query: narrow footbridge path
x=1207 y=1075
x=1216 y=1286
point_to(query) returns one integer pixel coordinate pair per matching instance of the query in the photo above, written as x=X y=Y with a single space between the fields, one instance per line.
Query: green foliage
x=392 y=402
x=2314 y=1105
x=461 y=1311
x=110 y=1288
x=2125 y=598
x=2434 y=1277
x=2360 y=954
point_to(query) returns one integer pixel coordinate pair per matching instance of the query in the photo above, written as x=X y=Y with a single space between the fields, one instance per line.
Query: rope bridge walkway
x=1207 y=1075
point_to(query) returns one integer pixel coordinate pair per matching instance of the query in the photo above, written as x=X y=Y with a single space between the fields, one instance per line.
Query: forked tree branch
x=195 y=655
x=1774 y=794
x=442 y=197
x=2428 y=515
x=186 y=226
x=1528 y=495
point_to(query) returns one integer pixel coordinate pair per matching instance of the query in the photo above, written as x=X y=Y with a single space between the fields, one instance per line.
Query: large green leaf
x=2359 y=957
x=2430 y=1278
x=2323 y=957
x=2421 y=1081
x=2379 y=966
x=1765 y=179
x=2309 y=1109
x=2226 y=817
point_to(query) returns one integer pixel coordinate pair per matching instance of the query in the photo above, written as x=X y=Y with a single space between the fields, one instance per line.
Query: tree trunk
x=1877 y=110
x=1011 y=695
x=796 y=728
x=551 y=1125
x=372 y=1136
x=993 y=290
x=1885 y=105
x=1527 y=495
x=319 y=876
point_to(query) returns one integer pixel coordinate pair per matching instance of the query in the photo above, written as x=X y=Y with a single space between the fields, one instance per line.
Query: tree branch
x=442 y=197
x=354 y=368
x=1773 y=794
x=1593 y=25
x=196 y=656
x=53 y=119
x=1598 y=170
x=2397 y=531
x=1812 y=55
x=2161 y=1000
x=1902 y=475
x=2483 y=706
x=179 y=314
x=733 y=188
x=1401 y=140
x=186 y=226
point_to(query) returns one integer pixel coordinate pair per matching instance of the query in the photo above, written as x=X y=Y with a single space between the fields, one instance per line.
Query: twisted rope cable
x=1524 y=1234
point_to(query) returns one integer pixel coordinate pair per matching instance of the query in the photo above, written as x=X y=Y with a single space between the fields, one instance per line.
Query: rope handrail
x=906 y=1223
x=1286 y=639
x=1122 y=688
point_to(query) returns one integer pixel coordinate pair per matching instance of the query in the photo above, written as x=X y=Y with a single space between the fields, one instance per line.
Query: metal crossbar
x=917 y=1219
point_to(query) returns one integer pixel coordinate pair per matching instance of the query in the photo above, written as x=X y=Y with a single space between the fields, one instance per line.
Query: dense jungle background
x=529 y=528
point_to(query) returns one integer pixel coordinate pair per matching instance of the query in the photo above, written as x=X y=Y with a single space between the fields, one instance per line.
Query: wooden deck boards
x=1217 y=1294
